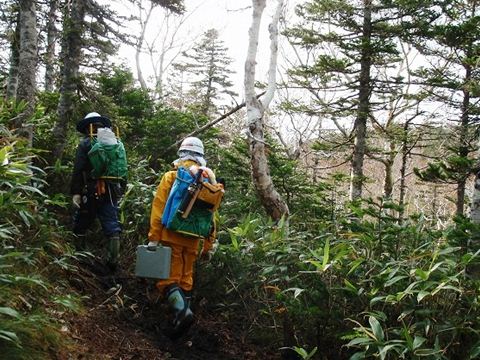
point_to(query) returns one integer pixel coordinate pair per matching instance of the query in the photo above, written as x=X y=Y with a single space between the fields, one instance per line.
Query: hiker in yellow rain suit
x=177 y=288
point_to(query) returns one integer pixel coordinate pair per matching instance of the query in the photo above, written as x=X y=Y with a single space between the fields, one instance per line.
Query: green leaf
x=404 y=314
x=24 y=215
x=444 y=286
x=10 y=312
x=4 y=155
x=395 y=279
x=422 y=274
x=360 y=341
x=358 y=356
x=355 y=264
x=384 y=350
x=326 y=254
x=407 y=337
x=418 y=341
x=68 y=302
x=300 y=351
x=475 y=351
x=377 y=299
x=350 y=286
x=9 y=336
x=376 y=328
x=449 y=250
x=422 y=294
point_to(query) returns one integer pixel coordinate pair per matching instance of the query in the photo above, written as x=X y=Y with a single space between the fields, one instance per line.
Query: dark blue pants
x=104 y=207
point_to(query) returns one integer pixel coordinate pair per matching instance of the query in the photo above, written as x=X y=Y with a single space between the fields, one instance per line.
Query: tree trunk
x=360 y=125
x=159 y=77
x=464 y=127
x=273 y=203
x=208 y=100
x=434 y=203
x=143 y=25
x=475 y=206
x=14 y=55
x=403 y=171
x=27 y=65
x=388 y=180
x=460 y=203
x=70 y=56
x=50 y=52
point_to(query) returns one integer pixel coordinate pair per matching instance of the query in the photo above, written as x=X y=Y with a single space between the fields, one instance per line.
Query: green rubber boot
x=113 y=251
x=183 y=315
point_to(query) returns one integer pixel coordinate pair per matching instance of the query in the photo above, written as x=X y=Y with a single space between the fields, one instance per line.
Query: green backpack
x=109 y=162
x=191 y=204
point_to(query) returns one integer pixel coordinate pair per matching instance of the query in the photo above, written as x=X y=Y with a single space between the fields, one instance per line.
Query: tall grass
x=34 y=256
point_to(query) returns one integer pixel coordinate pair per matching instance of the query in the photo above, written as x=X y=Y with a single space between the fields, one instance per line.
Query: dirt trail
x=125 y=320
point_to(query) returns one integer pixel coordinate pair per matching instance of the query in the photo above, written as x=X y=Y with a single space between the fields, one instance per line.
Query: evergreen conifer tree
x=452 y=45
x=209 y=66
x=345 y=47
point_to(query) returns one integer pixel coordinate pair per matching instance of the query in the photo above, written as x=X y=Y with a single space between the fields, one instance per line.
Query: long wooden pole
x=211 y=123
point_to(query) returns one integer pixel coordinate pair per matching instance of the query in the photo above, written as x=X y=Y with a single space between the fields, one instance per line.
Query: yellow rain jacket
x=184 y=248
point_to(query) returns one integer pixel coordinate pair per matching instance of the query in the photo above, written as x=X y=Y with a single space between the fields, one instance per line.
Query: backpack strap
x=193 y=191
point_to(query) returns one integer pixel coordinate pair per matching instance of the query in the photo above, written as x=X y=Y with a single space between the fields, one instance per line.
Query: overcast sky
x=232 y=18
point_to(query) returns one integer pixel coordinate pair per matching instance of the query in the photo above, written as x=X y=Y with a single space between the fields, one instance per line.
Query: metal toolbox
x=153 y=262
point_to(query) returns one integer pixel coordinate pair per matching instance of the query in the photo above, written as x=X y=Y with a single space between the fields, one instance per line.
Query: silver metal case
x=154 y=264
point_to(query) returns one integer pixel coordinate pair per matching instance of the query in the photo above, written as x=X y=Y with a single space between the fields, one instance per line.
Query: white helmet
x=92 y=115
x=192 y=144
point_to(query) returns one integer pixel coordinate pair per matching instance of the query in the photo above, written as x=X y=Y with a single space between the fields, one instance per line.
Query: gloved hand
x=152 y=245
x=77 y=200
x=207 y=255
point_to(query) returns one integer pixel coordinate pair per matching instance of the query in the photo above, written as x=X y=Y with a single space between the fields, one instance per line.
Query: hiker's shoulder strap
x=183 y=174
x=85 y=143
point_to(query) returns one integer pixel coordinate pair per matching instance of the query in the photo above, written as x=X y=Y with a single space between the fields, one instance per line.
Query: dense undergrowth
x=34 y=257
x=375 y=287
x=337 y=281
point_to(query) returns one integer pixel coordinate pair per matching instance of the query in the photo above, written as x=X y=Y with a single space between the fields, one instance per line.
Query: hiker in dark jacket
x=93 y=197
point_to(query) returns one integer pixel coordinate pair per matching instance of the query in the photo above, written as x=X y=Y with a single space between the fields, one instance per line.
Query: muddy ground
x=124 y=318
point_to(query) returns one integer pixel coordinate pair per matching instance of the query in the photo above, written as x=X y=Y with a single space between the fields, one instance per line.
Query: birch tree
x=474 y=268
x=167 y=33
x=275 y=206
x=475 y=206
x=143 y=20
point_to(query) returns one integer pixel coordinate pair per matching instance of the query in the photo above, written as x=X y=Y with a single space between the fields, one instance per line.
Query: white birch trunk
x=475 y=206
x=141 y=39
x=475 y=210
x=274 y=205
